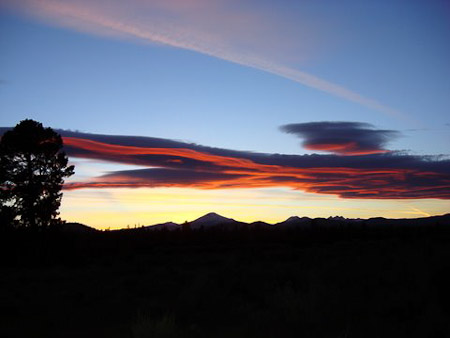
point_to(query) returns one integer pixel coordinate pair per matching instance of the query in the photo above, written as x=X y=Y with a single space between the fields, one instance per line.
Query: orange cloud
x=192 y=168
x=347 y=149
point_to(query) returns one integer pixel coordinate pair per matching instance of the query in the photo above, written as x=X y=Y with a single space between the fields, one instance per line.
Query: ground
x=262 y=283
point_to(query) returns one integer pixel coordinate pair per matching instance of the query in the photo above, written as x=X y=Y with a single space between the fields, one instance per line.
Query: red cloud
x=197 y=168
x=350 y=148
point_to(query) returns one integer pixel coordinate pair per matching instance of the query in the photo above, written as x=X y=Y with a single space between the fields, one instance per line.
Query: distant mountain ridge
x=213 y=219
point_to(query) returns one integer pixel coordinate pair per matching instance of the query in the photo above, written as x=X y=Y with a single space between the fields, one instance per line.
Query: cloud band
x=179 y=164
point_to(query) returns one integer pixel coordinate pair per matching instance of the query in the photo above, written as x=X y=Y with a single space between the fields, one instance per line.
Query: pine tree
x=32 y=172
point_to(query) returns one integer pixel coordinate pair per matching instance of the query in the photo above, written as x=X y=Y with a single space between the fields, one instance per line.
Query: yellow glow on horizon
x=119 y=208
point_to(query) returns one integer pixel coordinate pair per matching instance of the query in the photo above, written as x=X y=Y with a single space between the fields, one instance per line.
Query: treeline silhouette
x=76 y=244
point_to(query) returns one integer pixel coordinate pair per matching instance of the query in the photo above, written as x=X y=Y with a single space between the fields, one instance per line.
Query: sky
x=257 y=110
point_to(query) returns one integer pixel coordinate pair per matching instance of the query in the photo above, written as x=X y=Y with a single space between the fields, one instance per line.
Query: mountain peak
x=212 y=214
x=211 y=218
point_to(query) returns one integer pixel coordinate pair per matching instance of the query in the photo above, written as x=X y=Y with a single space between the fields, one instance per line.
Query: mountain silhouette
x=260 y=224
x=212 y=219
x=295 y=221
x=164 y=226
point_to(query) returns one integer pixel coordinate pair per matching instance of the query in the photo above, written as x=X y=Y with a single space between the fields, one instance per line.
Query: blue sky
x=225 y=73
x=395 y=52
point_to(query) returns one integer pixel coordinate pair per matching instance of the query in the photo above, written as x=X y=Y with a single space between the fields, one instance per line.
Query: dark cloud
x=158 y=177
x=180 y=164
x=342 y=138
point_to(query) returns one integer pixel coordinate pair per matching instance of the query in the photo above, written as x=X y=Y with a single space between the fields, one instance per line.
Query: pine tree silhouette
x=32 y=173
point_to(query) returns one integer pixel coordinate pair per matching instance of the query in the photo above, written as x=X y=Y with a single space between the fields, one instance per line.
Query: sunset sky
x=254 y=109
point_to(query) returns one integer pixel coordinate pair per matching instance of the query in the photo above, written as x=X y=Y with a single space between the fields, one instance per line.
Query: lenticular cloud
x=178 y=164
x=342 y=138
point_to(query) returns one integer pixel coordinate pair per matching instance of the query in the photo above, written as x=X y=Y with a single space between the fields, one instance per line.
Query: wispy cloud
x=223 y=29
x=417 y=211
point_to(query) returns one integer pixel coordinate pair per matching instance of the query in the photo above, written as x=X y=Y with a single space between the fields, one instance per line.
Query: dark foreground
x=345 y=282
